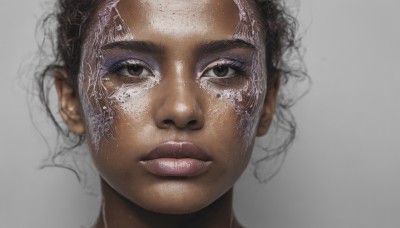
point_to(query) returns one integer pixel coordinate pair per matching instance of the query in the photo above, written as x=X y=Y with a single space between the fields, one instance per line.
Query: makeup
x=99 y=114
x=249 y=100
x=171 y=110
x=101 y=99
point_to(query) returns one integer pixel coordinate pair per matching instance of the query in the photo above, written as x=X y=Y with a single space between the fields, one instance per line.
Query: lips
x=176 y=159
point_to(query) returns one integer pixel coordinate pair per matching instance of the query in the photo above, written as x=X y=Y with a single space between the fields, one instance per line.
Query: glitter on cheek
x=131 y=100
x=247 y=101
x=126 y=92
x=95 y=96
x=234 y=96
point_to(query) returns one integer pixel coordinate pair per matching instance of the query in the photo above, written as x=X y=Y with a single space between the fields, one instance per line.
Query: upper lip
x=178 y=150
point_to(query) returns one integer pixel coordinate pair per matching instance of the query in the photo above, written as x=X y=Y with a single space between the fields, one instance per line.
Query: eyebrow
x=214 y=46
x=224 y=45
x=139 y=46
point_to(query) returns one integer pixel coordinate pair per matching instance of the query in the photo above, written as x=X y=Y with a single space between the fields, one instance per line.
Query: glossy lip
x=176 y=159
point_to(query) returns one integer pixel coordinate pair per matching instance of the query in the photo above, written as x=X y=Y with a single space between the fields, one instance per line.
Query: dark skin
x=180 y=88
x=218 y=214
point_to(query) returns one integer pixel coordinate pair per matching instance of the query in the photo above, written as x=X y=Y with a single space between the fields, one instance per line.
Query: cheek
x=96 y=97
x=120 y=108
x=234 y=145
x=131 y=101
x=247 y=104
x=232 y=117
x=250 y=100
x=238 y=104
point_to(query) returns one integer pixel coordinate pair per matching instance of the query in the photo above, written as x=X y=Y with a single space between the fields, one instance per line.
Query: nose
x=179 y=106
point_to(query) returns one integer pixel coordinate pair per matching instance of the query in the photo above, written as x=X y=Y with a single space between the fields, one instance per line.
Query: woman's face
x=172 y=95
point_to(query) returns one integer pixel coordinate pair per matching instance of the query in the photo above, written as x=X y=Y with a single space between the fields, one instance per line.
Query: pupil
x=221 y=71
x=135 y=70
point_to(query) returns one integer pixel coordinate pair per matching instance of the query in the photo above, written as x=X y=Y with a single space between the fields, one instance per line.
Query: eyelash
x=125 y=65
x=236 y=65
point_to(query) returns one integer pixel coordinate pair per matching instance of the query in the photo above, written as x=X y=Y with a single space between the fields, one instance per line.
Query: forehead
x=175 y=19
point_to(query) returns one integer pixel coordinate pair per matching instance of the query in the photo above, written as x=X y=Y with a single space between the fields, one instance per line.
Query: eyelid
x=237 y=64
x=125 y=63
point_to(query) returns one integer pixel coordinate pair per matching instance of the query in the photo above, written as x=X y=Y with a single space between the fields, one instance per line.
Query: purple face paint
x=109 y=27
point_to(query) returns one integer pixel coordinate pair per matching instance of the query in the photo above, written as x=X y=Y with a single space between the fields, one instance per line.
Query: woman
x=170 y=96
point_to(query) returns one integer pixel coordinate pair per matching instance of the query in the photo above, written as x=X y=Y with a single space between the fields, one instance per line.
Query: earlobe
x=68 y=104
x=268 y=109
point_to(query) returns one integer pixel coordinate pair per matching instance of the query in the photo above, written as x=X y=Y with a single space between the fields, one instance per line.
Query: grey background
x=343 y=170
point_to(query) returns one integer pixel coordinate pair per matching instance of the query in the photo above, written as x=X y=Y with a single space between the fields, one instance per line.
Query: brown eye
x=132 y=69
x=221 y=71
x=135 y=70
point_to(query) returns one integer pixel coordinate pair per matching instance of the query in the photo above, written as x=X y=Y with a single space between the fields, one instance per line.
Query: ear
x=68 y=103
x=268 y=109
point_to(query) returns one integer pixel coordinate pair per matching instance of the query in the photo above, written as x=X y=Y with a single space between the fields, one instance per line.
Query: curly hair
x=65 y=30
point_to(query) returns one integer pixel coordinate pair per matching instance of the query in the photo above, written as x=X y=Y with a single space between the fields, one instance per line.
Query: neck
x=119 y=212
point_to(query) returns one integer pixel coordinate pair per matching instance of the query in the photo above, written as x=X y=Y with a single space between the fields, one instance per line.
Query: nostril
x=168 y=122
x=192 y=123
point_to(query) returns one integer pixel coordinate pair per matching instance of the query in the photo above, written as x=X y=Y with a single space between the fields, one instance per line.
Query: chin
x=176 y=199
x=177 y=209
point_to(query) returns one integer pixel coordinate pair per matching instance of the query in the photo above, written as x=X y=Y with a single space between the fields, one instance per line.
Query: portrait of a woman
x=170 y=99
x=169 y=96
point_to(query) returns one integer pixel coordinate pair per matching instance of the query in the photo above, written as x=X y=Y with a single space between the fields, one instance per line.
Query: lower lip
x=172 y=167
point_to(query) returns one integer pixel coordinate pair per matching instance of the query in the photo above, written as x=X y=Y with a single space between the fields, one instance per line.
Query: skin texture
x=178 y=94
